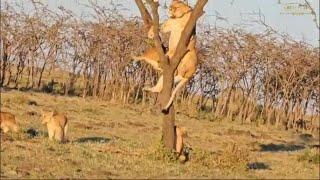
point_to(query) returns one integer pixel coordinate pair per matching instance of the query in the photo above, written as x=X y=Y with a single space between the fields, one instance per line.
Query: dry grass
x=111 y=141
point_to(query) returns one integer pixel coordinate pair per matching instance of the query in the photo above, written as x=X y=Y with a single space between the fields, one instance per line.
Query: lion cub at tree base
x=8 y=122
x=180 y=134
x=57 y=125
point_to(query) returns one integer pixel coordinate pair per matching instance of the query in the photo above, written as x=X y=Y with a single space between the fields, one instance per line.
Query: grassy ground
x=112 y=141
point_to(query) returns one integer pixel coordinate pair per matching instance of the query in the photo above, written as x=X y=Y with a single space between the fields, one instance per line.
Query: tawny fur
x=151 y=33
x=8 y=122
x=180 y=135
x=151 y=57
x=179 y=13
x=57 y=125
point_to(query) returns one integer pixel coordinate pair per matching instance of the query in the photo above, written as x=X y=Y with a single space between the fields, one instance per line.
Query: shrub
x=311 y=156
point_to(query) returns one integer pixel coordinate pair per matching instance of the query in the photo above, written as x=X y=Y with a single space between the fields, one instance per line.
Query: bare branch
x=313 y=13
x=144 y=14
x=157 y=40
x=187 y=32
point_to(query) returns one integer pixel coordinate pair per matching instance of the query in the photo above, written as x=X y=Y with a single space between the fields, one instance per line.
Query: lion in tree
x=179 y=15
x=178 y=63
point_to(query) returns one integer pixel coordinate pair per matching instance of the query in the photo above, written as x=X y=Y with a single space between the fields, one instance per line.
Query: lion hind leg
x=155 y=64
x=157 y=88
x=179 y=141
x=182 y=82
x=64 y=133
x=177 y=79
x=59 y=133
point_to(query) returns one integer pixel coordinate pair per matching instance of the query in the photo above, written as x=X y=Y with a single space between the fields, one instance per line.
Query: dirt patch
x=101 y=173
x=24 y=169
x=20 y=146
x=136 y=124
x=5 y=137
x=84 y=126
x=236 y=132
x=114 y=124
x=32 y=113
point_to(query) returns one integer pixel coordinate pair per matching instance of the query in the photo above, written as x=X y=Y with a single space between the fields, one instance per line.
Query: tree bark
x=4 y=59
x=168 y=120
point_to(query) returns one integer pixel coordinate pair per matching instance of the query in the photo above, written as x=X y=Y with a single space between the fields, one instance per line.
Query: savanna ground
x=108 y=140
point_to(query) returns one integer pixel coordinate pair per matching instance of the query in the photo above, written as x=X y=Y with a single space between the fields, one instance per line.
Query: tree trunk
x=31 y=71
x=168 y=121
x=96 y=78
x=85 y=81
x=41 y=74
x=226 y=103
x=9 y=66
x=3 y=66
x=17 y=71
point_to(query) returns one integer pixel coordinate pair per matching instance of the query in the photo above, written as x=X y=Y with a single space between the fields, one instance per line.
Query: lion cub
x=180 y=134
x=57 y=125
x=8 y=122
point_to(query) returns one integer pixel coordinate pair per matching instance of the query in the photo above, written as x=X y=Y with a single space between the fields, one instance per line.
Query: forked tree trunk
x=168 y=124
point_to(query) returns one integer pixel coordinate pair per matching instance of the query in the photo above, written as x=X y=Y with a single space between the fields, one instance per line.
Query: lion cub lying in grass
x=8 y=122
x=57 y=125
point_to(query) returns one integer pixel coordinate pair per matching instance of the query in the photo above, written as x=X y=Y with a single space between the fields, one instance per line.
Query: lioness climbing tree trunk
x=169 y=65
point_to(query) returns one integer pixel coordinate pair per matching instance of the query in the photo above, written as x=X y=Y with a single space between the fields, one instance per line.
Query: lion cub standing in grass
x=180 y=134
x=57 y=125
x=8 y=122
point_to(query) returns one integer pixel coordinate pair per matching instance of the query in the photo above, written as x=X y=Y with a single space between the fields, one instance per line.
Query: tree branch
x=181 y=49
x=313 y=13
x=157 y=40
x=144 y=14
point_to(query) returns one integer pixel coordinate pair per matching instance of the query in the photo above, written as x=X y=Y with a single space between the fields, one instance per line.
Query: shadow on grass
x=280 y=147
x=258 y=166
x=31 y=132
x=24 y=89
x=101 y=140
x=306 y=137
x=315 y=146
